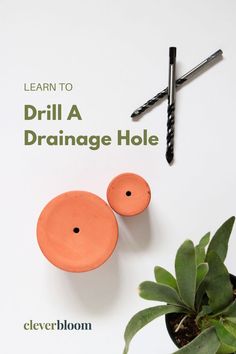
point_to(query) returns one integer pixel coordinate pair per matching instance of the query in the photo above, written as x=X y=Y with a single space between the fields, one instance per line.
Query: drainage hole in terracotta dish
x=128 y=193
x=76 y=230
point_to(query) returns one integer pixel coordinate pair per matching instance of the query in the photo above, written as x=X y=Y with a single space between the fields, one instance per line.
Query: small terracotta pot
x=128 y=194
x=77 y=231
x=169 y=316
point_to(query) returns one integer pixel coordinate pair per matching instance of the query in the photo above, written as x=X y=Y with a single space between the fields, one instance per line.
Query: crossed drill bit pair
x=170 y=92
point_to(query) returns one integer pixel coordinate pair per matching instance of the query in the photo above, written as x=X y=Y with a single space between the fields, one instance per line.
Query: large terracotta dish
x=77 y=231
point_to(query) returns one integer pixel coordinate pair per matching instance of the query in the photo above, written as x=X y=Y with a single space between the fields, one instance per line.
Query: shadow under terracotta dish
x=77 y=231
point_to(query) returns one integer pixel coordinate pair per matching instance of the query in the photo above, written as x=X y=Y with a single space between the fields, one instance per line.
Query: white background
x=116 y=55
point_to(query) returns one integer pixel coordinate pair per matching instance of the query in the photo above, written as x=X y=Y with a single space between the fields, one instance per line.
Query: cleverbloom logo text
x=58 y=325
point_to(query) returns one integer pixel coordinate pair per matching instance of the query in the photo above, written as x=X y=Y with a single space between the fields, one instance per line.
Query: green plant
x=202 y=291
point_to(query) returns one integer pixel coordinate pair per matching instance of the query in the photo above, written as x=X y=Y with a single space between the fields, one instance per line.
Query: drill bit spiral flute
x=179 y=82
x=171 y=106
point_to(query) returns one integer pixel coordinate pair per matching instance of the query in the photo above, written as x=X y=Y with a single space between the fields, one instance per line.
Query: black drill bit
x=171 y=106
x=179 y=82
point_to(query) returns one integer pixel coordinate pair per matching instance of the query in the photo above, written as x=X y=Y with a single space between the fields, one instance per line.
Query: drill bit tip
x=134 y=114
x=169 y=156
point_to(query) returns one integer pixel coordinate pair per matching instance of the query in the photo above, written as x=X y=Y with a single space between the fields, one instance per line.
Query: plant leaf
x=230 y=312
x=202 y=271
x=206 y=310
x=218 y=285
x=206 y=343
x=149 y=290
x=200 y=248
x=225 y=336
x=231 y=319
x=205 y=240
x=220 y=240
x=143 y=317
x=186 y=272
x=231 y=327
x=200 y=254
x=200 y=295
x=162 y=276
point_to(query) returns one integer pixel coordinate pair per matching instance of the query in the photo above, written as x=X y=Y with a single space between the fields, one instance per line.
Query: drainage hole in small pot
x=76 y=230
x=128 y=193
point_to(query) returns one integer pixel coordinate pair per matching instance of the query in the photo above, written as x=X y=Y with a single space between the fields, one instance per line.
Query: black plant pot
x=169 y=318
